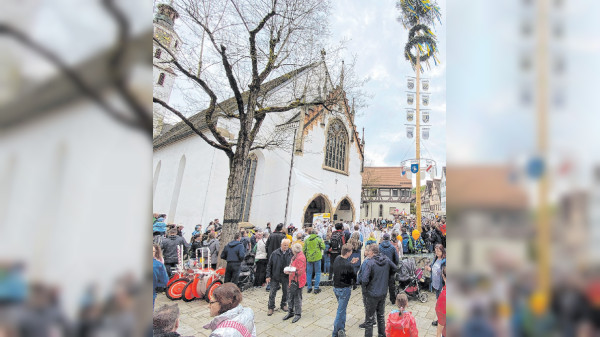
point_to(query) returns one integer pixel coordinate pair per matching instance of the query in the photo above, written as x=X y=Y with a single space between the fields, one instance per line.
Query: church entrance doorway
x=319 y=204
x=344 y=211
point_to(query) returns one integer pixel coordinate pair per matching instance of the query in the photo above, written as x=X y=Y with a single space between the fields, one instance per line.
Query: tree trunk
x=233 y=199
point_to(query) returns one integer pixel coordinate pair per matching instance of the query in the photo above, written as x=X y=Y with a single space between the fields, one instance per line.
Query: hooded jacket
x=313 y=247
x=386 y=248
x=376 y=273
x=240 y=315
x=233 y=252
x=169 y=247
x=400 y=326
x=159 y=226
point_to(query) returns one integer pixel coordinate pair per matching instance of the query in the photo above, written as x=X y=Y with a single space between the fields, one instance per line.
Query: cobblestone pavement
x=318 y=314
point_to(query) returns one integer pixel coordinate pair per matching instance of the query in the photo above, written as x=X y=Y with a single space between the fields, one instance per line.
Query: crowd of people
x=290 y=259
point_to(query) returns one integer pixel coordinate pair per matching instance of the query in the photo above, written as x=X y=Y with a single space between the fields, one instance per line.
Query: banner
x=425 y=133
x=425 y=84
x=425 y=99
x=410 y=83
x=410 y=98
x=409 y=131
x=425 y=116
x=410 y=115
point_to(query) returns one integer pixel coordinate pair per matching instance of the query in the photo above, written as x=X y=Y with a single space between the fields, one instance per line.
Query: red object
x=400 y=326
x=299 y=261
x=440 y=310
x=211 y=290
x=175 y=290
x=429 y=168
x=443 y=229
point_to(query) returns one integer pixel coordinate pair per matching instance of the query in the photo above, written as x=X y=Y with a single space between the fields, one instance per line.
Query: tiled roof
x=484 y=187
x=181 y=130
x=385 y=177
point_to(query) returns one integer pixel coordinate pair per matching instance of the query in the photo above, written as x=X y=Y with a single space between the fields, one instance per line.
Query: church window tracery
x=336 y=148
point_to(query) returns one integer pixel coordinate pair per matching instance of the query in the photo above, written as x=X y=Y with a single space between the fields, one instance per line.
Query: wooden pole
x=543 y=223
x=418 y=145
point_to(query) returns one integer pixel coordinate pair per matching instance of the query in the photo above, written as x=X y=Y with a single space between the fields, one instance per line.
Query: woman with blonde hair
x=356 y=249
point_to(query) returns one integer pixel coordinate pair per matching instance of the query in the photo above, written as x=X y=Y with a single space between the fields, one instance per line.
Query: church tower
x=163 y=74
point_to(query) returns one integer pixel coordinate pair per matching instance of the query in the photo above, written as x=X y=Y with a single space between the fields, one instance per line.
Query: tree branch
x=72 y=75
x=255 y=76
x=116 y=62
x=226 y=149
x=213 y=98
x=232 y=82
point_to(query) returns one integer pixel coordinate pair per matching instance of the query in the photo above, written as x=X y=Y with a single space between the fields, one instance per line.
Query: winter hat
x=386 y=236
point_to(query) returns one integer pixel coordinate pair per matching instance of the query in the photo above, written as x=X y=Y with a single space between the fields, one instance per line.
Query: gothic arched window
x=336 y=148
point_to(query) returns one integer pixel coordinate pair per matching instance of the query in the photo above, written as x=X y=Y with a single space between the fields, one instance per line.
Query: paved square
x=318 y=314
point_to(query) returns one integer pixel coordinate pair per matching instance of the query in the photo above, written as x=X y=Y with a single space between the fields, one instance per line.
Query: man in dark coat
x=375 y=278
x=274 y=240
x=169 y=249
x=280 y=258
x=234 y=254
x=387 y=248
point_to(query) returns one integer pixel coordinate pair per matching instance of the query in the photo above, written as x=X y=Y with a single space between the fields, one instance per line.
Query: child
x=401 y=322
x=371 y=239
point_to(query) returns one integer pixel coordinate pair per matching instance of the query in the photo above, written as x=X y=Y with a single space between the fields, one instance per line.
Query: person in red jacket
x=297 y=282
x=440 y=308
x=401 y=323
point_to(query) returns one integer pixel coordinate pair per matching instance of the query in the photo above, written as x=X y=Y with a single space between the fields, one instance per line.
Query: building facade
x=190 y=176
x=384 y=190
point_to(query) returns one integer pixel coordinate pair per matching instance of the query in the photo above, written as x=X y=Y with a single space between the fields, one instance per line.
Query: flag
x=429 y=167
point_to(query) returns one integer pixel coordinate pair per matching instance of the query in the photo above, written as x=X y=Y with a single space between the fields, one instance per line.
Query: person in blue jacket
x=159 y=227
x=386 y=248
x=159 y=272
x=234 y=254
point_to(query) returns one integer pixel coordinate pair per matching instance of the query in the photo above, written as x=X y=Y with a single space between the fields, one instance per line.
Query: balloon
x=416 y=234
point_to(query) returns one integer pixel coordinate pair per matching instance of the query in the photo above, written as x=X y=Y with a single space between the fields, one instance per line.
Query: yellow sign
x=326 y=215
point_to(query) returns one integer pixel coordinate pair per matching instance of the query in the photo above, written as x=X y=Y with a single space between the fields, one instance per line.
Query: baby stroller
x=408 y=278
x=246 y=279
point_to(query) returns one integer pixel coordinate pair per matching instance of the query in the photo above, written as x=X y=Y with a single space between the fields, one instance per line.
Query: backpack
x=405 y=239
x=336 y=242
x=411 y=245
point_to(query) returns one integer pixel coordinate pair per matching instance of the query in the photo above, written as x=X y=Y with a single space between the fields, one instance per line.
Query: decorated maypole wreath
x=418 y=16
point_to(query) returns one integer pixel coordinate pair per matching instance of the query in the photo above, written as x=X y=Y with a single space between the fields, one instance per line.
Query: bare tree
x=248 y=44
x=135 y=114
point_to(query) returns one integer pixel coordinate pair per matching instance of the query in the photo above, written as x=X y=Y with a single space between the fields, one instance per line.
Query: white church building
x=190 y=176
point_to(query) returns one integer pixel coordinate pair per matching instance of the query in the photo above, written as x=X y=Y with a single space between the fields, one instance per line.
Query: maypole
x=416 y=15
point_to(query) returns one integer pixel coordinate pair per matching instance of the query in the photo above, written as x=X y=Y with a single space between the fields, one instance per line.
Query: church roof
x=385 y=177
x=181 y=130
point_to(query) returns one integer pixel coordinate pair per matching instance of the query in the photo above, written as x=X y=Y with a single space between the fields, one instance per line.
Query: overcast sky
x=378 y=40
